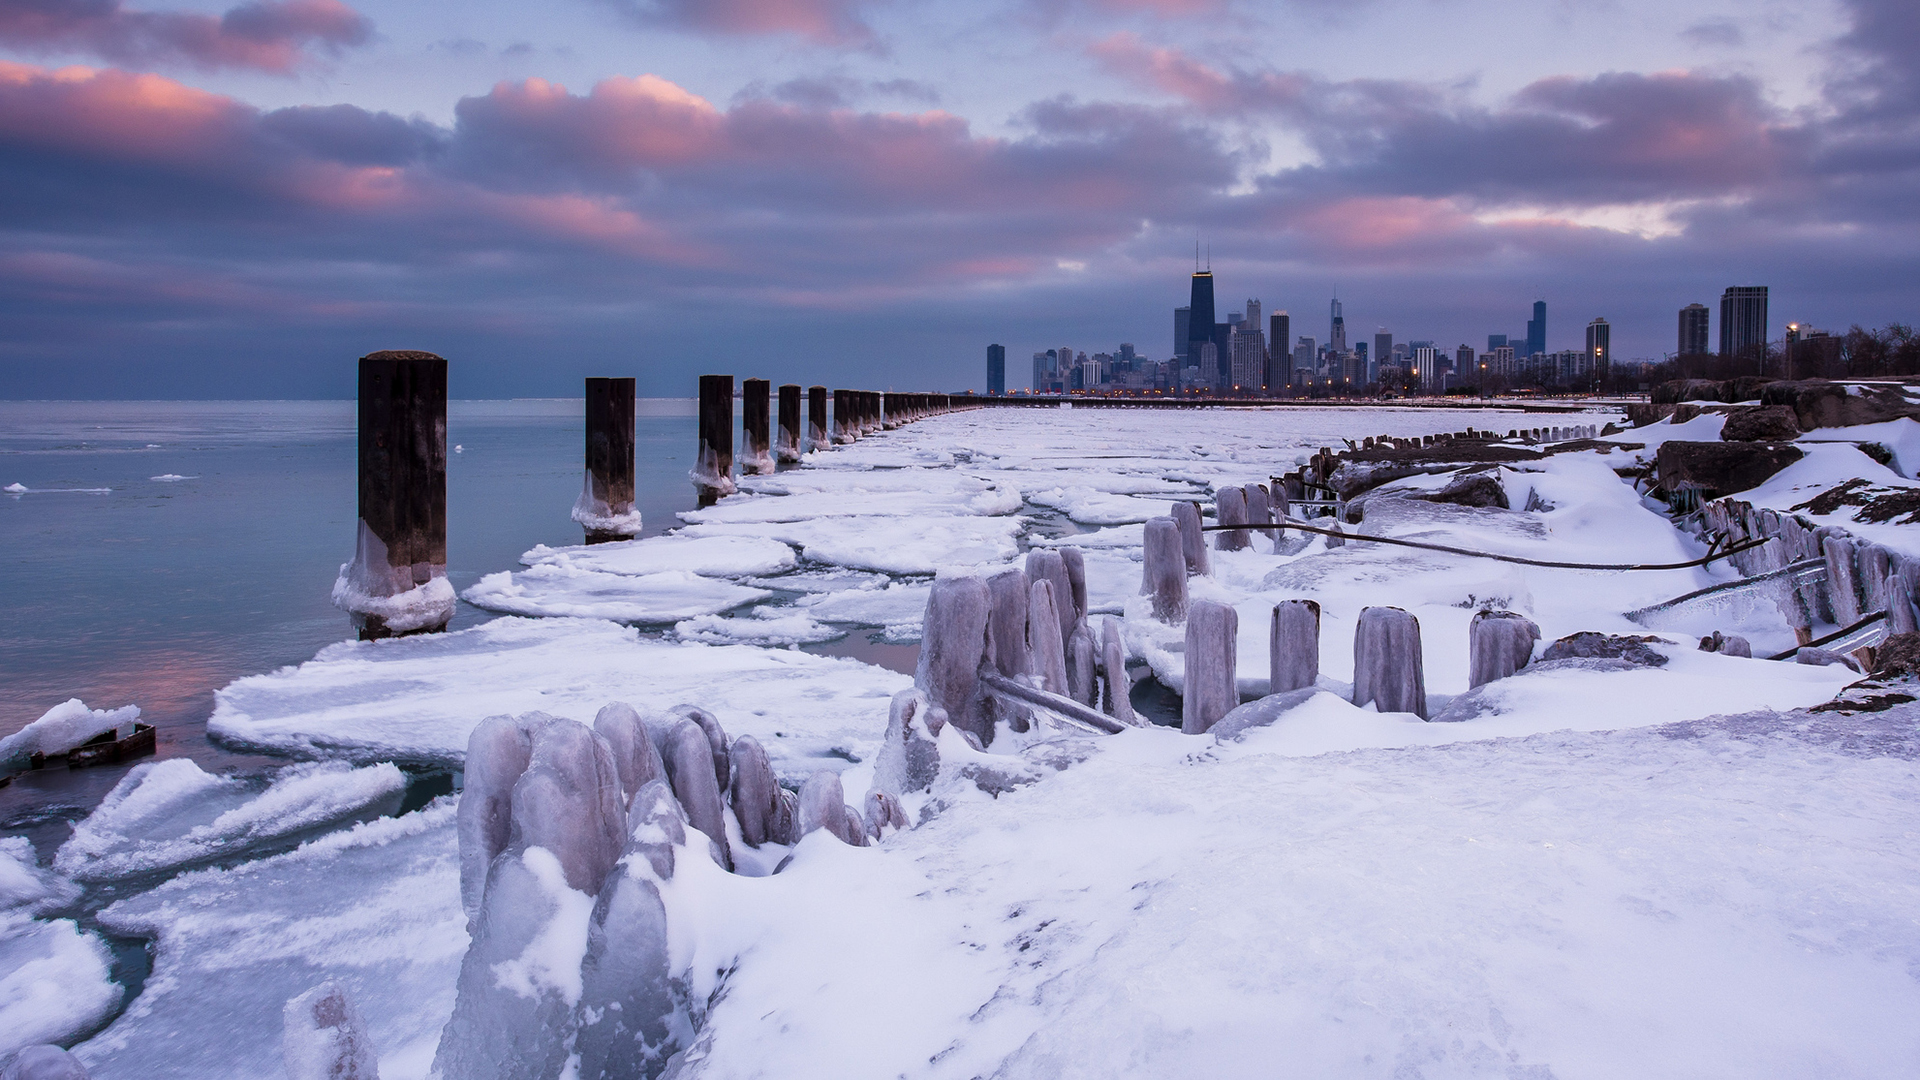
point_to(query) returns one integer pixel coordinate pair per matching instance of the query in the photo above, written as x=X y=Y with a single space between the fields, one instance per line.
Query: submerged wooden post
x=397 y=581
x=817 y=433
x=713 y=468
x=605 y=509
x=787 y=446
x=755 y=426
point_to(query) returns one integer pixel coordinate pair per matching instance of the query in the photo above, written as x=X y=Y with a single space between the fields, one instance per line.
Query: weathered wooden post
x=787 y=449
x=1387 y=667
x=1499 y=643
x=1164 y=570
x=756 y=426
x=1209 y=688
x=843 y=422
x=869 y=412
x=397 y=581
x=713 y=468
x=605 y=509
x=817 y=433
x=1293 y=646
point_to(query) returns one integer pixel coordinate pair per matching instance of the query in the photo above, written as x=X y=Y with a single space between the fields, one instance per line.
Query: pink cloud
x=277 y=36
x=823 y=22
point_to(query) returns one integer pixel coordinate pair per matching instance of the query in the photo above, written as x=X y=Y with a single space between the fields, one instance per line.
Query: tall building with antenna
x=1337 y=334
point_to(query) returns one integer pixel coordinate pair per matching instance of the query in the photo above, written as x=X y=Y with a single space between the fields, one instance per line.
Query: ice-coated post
x=756 y=426
x=1209 y=689
x=713 y=468
x=786 y=446
x=397 y=582
x=1293 y=646
x=1259 y=511
x=605 y=509
x=952 y=645
x=1843 y=590
x=818 y=434
x=1230 y=508
x=1164 y=570
x=1008 y=594
x=1043 y=634
x=1387 y=668
x=1113 y=662
x=1192 y=541
x=1499 y=643
x=1076 y=563
x=1046 y=564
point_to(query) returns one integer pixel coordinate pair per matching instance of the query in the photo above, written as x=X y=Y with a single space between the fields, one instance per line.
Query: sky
x=200 y=200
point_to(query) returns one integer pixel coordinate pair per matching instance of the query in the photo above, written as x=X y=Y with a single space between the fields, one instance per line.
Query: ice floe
x=713 y=556
x=560 y=589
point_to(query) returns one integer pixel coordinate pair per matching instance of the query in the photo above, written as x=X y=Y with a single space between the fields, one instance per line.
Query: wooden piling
x=713 y=466
x=605 y=509
x=787 y=447
x=818 y=434
x=396 y=583
x=756 y=426
x=845 y=427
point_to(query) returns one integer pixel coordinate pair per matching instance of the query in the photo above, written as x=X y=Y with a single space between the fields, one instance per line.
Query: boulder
x=1589 y=645
x=1768 y=423
x=1898 y=656
x=1818 y=403
x=1471 y=489
x=1672 y=393
x=1721 y=468
x=1744 y=388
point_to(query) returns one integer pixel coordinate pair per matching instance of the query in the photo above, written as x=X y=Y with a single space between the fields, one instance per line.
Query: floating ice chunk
x=15 y=489
x=761 y=626
x=24 y=887
x=43 y=1062
x=62 y=728
x=556 y=589
x=167 y=814
x=513 y=1014
x=708 y=556
x=972 y=497
x=916 y=545
x=1262 y=712
x=171 y=478
x=629 y=1018
x=54 y=981
x=568 y=803
x=1090 y=507
x=324 y=1037
x=898 y=604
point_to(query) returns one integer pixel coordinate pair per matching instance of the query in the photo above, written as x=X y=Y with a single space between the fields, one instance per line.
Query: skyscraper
x=1693 y=330
x=1743 y=320
x=1337 y=336
x=1382 y=350
x=1537 y=329
x=1280 y=331
x=1599 y=349
x=1180 y=323
x=996 y=369
x=1200 y=311
x=1496 y=341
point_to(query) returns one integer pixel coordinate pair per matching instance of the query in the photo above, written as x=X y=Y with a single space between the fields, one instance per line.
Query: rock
x=1499 y=643
x=1821 y=657
x=1293 y=646
x=1209 y=688
x=45 y=1062
x=1338 y=537
x=1818 y=403
x=1230 y=508
x=1728 y=644
x=1720 y=468
x=1671 y=393
x=324 y=1037
x=1898 y=656
x=1163 y=570
x=690 y=769
x=1471 y=489
x=1744 y=388
x=754 y=790
x=1770 y=423
x=1193 y=542
x=1388 y=670
x=1260 y=713
x=952 y=646
x=1590 y=645
x=1043 y=633
x=634 y=756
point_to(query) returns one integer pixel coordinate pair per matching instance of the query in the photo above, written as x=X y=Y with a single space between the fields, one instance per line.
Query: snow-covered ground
x=1579 y=878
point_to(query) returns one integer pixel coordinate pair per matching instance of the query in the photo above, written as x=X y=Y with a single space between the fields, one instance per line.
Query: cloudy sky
x=212 y=201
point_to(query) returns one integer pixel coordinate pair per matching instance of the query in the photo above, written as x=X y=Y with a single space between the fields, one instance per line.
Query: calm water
x=123 y=588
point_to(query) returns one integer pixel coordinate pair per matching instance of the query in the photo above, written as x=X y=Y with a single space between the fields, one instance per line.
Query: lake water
x=122 y=587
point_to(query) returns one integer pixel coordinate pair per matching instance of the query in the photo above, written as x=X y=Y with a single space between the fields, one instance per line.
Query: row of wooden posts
x=401 y=543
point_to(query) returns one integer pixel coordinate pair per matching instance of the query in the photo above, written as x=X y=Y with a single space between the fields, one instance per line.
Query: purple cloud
x=276 y=36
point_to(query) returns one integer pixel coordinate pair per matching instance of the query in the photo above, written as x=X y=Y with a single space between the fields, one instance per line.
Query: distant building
x=1337 y=334
x=1249 y=357
x=1382 y=352
x=996 y=369
x=1537 y=329
x=1200 y=324
x=1463 y=361
x=1280 y=365
x=1305 y=356
x=1180 y=323
x=1425 y=359
x=1599 y=352
x=1496 y=341
x=1743 y=320
x=1693 y=330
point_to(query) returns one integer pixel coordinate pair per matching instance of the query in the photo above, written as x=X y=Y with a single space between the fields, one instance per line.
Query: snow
x=63 y=727
x=23 y=885
x=167 y=814
x=1901 y=437
x=561 y=589
x=171 y=478
x=594 y=513
x=1825 y=466
x=920 y=545
x=899 y=605
x=429 y=604
x=376 y=907
x=962 y=498
x=1090 y=507
x=417 y=699
x=53 y=981
x=15 y=489
x=717 y=556
x=761 y=626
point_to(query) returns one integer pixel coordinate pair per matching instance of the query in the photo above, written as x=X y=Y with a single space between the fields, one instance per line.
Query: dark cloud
x=1714 y=32
x=822 y=22
x=276 y=36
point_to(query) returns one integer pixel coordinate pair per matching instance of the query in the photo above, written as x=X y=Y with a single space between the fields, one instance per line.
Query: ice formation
x=1043 y=635
x=953 y=645
x=1230 y=508
x=1293 y=646
x=24 y=887
x=711 y=556
x=690 y=769
x=1388 y=672
x=823 y=805
x=561 y=589
x=595 y=514
x=1210 y=689
x=1113 y=663
x=1501 y=644
x=1193 y=542
x=1164 y=570
x=755 y=794
x=324 y=1037
x=54 y=981
x=42 y=1062
x=62 y=728
x=403 y=602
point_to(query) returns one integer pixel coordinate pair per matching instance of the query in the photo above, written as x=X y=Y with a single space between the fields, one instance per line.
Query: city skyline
x=206 y=202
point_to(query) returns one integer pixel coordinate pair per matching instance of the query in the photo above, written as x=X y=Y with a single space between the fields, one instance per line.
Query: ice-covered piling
x=818 y=434
x=1259 y=510
x=397 y=581
x=1081 y=664
x=568 y=802
x=786 y=444
x=690 y=768
x=628 y=1009
x=1046 y=564
x=756 y=794
x=635 y=758
x=1499 y=643
x=953 y=643
x=713 y=465
x=497 y=753
x=1076 y=563
x=324 y=1037
x=845 y=427
x=1043 y=635
x=1164 y=569
x=884 y=814
x=1230 y=508
x=909 y=758
x=1387 y=666
x=1113 y=663
x=605 y=510
x=756 y=426
x=823 y=805
x=1007 y=597
x=1209 y=688
x=1843 y=586
x=1192 y=541
x=1293 y=646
